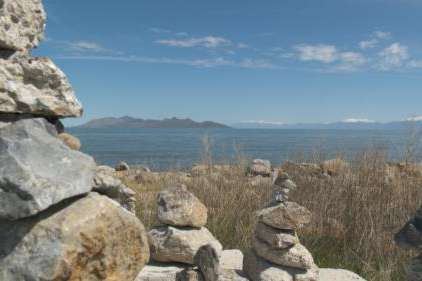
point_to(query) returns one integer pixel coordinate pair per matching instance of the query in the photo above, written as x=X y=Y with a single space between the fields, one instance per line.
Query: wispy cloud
x=329 y=54
x=374 y=39
x=159 y=30
x=80 y=47
x=393 y=57
x=206 y=42
x=200 y=63
x=86 y=46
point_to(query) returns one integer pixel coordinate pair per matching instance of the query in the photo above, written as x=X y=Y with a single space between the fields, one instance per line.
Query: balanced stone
x=36 y=86
x=22 y=24
x=258 y=269
x=38 y=170
x=178 y=207
x=296 y=256
x=288 y=215
x=171 y=244
x=91 y=238
x=276 y=238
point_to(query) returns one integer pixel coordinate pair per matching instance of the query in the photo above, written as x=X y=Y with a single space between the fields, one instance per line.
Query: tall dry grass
x=356 y=210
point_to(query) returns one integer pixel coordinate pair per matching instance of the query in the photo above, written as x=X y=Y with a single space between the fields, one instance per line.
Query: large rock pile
x=277 y=254
x=52 y=225
x=410 y=237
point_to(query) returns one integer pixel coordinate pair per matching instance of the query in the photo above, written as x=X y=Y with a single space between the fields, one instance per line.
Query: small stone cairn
x=183 y=248
x=410 y=237
x=277 y=254
x=54 y=222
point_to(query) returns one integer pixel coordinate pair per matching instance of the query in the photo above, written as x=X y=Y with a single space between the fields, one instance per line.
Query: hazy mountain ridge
x=130 y=122
x=344 y=125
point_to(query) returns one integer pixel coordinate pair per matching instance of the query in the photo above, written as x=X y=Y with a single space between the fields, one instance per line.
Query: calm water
x=180 y=148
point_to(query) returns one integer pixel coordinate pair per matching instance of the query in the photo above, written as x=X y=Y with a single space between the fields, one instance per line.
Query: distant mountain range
x=130 y=122
x=349 y=124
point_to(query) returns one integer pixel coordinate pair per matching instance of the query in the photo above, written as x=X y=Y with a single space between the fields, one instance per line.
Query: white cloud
x=374 y=40
x=242 y=46
x=322 y=53
x=352 y=58
x=358 y=120
x=159 y=30
x=393 y=57
x=207 y=42
x=368 y=44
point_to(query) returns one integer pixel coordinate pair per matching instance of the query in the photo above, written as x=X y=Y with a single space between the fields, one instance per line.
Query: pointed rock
x=36 y=86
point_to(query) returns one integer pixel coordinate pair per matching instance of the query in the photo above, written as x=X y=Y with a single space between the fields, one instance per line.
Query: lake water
x=180 y=148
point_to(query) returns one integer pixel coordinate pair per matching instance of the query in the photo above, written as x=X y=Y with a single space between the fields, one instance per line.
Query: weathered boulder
x=38 y=170
x=208 y=261
x=178 y=207
x=296 y=256
x=22 y=24
x=36 y=86
x=276 y=238
x=259 y=269
x=171 y=244
x=260 y=167
x=90 y=238
x=409 y=237
x=287 y=215
x=329 y=274
x=71 y=141
x=335 y=166
x=106 y=184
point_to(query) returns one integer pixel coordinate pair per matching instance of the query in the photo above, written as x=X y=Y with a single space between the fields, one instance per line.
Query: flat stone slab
x=37 y=170
x=22 y=24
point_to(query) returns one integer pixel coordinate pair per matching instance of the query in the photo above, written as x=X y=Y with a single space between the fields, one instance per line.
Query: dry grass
x=356 y=211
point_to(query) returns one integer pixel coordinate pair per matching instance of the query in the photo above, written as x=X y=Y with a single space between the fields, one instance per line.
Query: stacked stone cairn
x=182 y=248
x=54 y=224
x=277 y=254
x=410 y=237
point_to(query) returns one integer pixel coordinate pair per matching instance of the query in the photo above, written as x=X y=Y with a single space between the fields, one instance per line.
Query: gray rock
x=296 y=256
x=106 y=184
x=90 y=238
x=36 y=86
x=276 y=238
x=329 y=274
x=260 y=167
x=409 y=237
x=287 y=215
x=38 y=170
x=189 y=274
x=171 y=244
x=22 y=24
x=258 y=269
x=178 y=207
x=208 y=261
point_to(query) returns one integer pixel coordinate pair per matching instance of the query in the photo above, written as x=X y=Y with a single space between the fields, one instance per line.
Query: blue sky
x=229 y=61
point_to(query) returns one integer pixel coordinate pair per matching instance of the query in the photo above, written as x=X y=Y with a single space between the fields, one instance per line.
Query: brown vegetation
x=356 y=208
